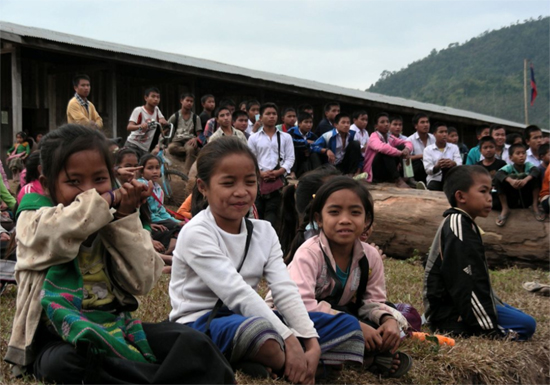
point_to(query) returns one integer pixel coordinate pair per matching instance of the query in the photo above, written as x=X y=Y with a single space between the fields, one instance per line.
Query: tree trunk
x=407 y=220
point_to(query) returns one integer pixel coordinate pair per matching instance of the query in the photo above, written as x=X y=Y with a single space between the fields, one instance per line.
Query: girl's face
x=231 y=191
x=128 y=160
x=83 y=171
x=19 y=139
x=151 y=170
x=342 y=218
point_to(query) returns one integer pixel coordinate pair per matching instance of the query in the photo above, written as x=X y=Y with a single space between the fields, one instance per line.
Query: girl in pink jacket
x=335 y=272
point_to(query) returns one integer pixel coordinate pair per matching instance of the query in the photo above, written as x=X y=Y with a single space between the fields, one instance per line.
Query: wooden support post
x=113 y=103
x=51 y=101
x=16 y=92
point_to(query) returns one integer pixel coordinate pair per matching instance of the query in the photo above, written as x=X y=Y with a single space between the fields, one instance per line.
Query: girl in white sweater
x=208 y=271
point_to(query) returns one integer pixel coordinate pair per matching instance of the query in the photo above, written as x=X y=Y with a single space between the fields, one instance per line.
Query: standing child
x=533 y=139
x=224 y=120
x=518 y=185
x=208 y=103
x=501 y=148
x=166 y=227
x=487 y=146
x=337 y=273
x=82 y=257
x=240 y=122
x=220 y=259
x=142 y=131
x=458 y=297
x=360 y=122
x=439 y=158
x=384 y=154
x=303 y=139
x=17 y=154
x=253 y=111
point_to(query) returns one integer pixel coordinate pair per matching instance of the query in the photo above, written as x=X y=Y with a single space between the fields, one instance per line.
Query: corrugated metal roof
x=60 y=37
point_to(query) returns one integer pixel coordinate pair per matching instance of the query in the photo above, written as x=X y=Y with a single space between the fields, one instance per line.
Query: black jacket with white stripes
x=457 y=286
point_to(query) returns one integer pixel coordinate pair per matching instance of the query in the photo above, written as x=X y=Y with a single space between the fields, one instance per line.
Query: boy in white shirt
x=360 y=121
x=439 y=158
x=142 y=136
x=533 y=139
x=420 y=140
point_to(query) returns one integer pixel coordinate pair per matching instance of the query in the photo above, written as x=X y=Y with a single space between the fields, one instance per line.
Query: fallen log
x=407 y=220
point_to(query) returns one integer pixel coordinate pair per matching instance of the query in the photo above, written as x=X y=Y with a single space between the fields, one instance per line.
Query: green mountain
x=484 y=74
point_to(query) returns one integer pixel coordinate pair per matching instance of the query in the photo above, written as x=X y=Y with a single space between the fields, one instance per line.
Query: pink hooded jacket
x=377 y=143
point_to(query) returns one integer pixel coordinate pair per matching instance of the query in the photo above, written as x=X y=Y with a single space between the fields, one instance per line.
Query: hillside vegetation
x=484 y=74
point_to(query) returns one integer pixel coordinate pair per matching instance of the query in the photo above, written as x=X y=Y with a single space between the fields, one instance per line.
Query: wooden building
x=37 y=67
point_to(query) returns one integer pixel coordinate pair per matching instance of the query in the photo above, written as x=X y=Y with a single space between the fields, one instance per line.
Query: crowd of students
x=93 y=233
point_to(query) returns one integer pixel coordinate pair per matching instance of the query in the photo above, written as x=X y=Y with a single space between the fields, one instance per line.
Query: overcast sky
x=341 y=42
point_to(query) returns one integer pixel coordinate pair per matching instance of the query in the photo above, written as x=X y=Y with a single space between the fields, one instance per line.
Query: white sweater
x=204 y=268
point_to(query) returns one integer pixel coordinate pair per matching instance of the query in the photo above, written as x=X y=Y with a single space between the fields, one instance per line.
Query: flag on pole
x=533 y=85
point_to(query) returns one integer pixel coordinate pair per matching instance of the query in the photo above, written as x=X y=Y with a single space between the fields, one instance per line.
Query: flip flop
x=537 y=288
x=540 y=217
x=501 y=220
x=383 y=363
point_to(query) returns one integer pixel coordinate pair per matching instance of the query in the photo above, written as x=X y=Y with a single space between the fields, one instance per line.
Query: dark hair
x=122 y=153
x=511 y=138
x=264 y=106
x=78 y=78
x=305 y=106
x=479 y=129
x=435 y=126
x=220 y=109
x=22 y=134
x=529 y=130
x=486 y=139
x=148 y=91
x=304 y=116
x=339 y=117
x=295 y=209
x=58 y=145
x=287 y=110
x=204 y=98
x=495 y=127
x=238 y=113
x=358 y=113
x=543 y=149
x=451 y=130
x=418 y=116
x=380 y=115
x=251 y=103
x=396 y=117
x=514 y=147
x=187 y=95
x=241 y=104
x=208 y=161
x=461 y=179
x=31 y=164
x=228 y=102
x=146 y=158
x=342 y=183
x=329 y=105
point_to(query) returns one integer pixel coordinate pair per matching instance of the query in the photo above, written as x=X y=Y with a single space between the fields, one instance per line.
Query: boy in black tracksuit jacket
x=458 y=297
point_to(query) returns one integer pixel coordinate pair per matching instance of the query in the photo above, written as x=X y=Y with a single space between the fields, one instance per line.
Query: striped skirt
x=240 y=338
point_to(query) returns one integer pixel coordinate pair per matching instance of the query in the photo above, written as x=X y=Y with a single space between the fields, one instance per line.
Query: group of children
x=327 y=302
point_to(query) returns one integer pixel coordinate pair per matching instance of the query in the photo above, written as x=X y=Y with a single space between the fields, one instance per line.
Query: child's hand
x=159 y=247
x=131 y=196
x=146 y=192
x=4 y=237
x=373 y=339
x=295 y=360
x=128 y=173
x=313 y=354
x=156 y=227
x=389 y=330
x=522 y=183
x=331 y=157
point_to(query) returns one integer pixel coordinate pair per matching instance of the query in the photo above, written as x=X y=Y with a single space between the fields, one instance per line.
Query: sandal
x=383 y=364
x=501 y=220
x=540 y=217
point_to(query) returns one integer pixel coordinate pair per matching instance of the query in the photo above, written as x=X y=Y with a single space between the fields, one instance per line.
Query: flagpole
x=525 y=91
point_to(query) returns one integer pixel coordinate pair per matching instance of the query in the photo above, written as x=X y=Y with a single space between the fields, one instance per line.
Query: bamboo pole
x=525 y=91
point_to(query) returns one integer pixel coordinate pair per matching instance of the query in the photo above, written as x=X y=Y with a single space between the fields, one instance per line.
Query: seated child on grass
x=458 y=297
x=164 y=226
x=384 y=153
x=219 y=261
x=32 y=175
x=544 y=157
x=518 y=185
x=452 y=137
x=336 y=272
x=533 y=140
x=440 y=157
x=544 y=191
x=82 y=257
x=17 y=154
x=491 y=163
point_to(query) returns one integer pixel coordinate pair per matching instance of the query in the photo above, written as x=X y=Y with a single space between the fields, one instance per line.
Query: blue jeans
x=513 y=320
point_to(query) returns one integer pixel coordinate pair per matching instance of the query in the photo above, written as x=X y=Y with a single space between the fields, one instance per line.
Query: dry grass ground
x=471 y=361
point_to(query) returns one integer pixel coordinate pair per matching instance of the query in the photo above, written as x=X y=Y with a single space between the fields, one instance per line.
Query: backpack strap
x=219 y=303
